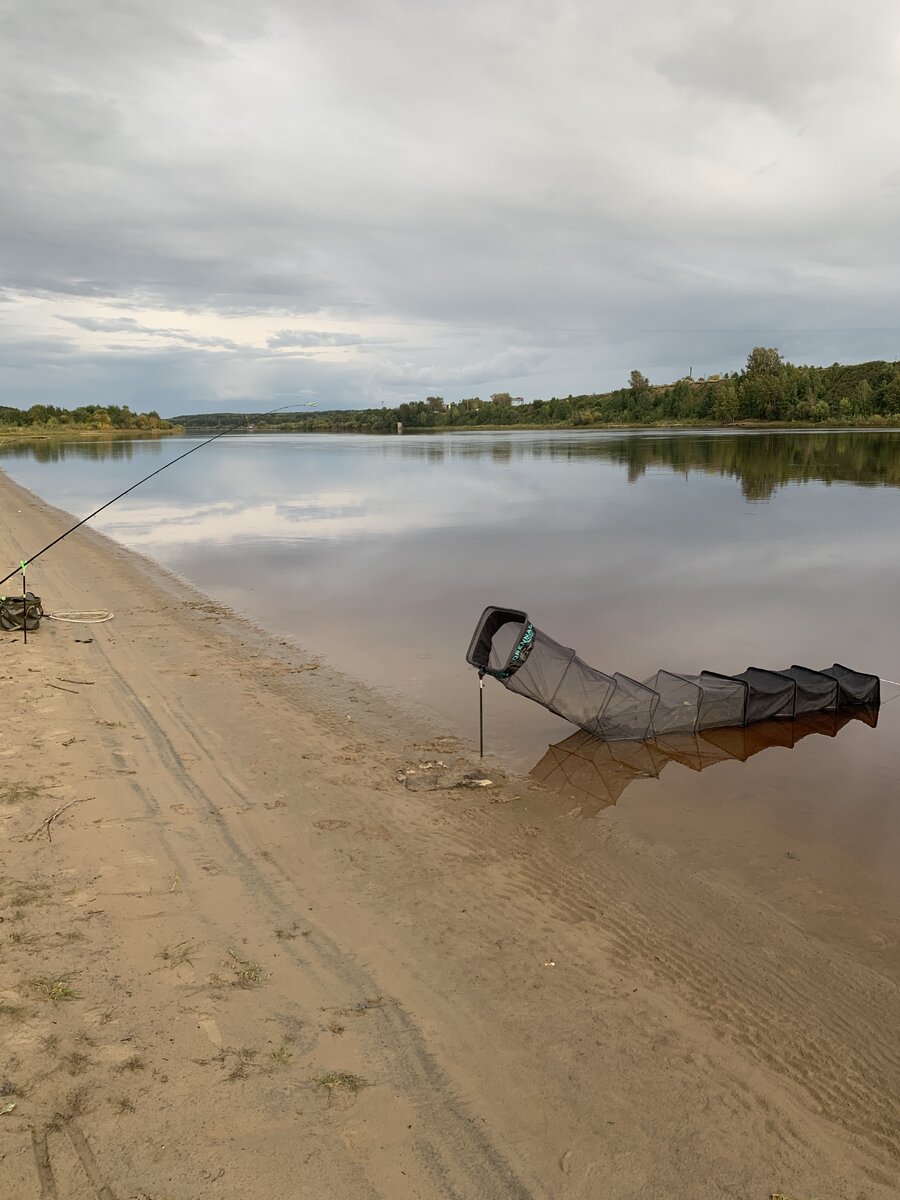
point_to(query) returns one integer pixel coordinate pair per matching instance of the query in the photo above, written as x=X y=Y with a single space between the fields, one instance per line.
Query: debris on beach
x=436 y=775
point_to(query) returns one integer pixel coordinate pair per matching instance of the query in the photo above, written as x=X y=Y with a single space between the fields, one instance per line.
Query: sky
x=207 y=204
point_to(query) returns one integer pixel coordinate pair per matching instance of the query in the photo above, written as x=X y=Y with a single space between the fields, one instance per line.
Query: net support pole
x=481 y=714
x=24 y=605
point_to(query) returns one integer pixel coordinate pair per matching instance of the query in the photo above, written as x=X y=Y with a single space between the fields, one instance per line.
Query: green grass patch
x=57 y=991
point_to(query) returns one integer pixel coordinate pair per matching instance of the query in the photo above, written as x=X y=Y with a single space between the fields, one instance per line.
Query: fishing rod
x=193 y=450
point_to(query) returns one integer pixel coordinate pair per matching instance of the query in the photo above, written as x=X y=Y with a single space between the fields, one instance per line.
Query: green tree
x=891 y=400
x=681 y=399
x=638 y=383
x=864 y=398
x=764 y=360
x=725 y=405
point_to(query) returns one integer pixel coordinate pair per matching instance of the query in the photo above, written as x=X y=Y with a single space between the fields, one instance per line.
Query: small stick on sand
x=45 y=825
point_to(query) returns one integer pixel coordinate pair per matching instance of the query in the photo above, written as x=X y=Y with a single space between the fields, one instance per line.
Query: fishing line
x=21 y=567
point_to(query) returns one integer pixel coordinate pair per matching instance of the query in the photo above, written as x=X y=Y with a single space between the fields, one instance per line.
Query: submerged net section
x=596 y=772
x=508 y=646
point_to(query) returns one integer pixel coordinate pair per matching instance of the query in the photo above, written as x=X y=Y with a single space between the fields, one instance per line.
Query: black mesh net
x=507 y=646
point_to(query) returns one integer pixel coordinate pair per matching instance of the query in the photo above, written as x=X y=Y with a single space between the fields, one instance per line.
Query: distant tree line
x=48 y=417
x=767 y=389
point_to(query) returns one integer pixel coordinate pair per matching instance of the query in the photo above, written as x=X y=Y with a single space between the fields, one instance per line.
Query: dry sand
x=244 y=960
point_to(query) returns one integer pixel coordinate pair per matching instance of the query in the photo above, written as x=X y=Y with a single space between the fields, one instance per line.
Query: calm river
x=685 y=551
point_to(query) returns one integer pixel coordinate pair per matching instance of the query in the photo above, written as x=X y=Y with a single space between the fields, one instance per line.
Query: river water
x=686 y=551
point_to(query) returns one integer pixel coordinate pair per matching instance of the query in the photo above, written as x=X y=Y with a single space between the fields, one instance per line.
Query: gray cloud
x=779 y=56
x=130 y=325
x=178 y=379
x=510 y=365
x=542 y=191
x=310 y=338
x=105 y=324
x=28 y=353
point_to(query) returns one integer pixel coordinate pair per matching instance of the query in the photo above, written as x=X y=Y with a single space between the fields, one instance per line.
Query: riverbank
x=70 y=433
x=873 y=425
x=242 y=958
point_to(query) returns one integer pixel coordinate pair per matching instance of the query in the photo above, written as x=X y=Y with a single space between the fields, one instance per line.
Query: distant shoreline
x=80 y=435
x=68 y=433
x=536 y=427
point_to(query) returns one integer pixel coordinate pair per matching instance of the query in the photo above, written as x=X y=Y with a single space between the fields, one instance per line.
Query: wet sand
x=241 y=957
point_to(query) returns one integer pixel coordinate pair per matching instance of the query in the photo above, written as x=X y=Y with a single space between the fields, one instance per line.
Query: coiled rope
x=86 y=617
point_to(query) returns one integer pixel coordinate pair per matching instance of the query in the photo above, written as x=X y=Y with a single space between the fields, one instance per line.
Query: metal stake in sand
x=22 y=566
x=481 y=714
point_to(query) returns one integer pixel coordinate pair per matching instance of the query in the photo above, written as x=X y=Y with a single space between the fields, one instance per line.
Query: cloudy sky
x=211 y=204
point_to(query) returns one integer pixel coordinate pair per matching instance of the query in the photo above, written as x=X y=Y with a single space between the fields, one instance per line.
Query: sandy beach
x=246 y=953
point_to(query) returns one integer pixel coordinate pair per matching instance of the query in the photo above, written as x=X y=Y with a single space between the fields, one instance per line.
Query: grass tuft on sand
x=249 y=974
x=135 y=1063
x=57 y=991
x=17 y=793
x=342 y=1081
x=179 y=954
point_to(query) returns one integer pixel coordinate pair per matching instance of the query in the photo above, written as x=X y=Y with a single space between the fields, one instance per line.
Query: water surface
x=685 y=551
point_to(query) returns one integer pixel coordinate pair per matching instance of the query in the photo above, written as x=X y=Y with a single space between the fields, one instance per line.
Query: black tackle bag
x=14 y=610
